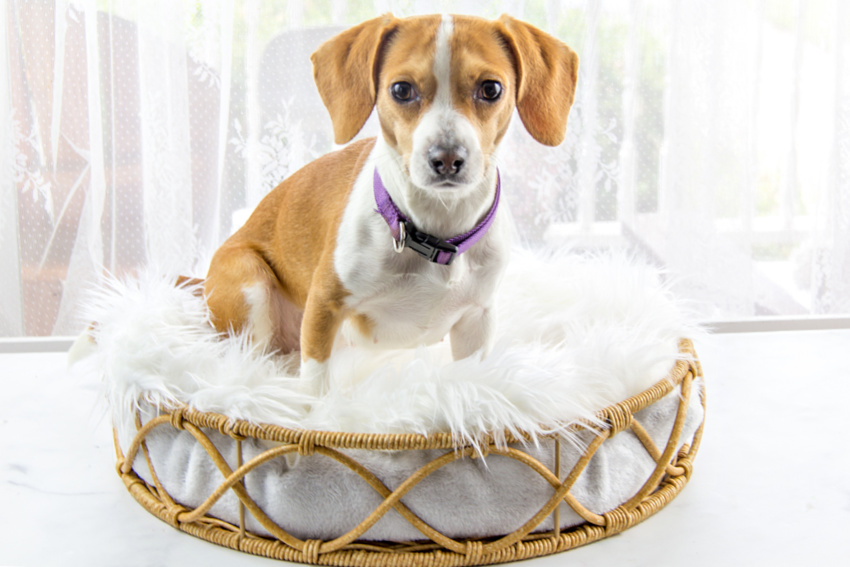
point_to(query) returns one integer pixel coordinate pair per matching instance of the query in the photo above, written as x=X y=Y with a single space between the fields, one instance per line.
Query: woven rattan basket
x=671 y=473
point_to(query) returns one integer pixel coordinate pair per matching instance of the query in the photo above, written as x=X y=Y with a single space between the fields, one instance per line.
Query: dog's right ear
x=345 y=69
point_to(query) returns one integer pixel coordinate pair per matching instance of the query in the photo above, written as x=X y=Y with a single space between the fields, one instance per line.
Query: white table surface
x=771 y=483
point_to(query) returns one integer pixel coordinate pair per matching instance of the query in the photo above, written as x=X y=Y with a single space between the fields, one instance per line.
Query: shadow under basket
x=672 y=470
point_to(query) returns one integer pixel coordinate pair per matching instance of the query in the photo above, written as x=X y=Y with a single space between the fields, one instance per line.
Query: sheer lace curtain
x=712 y=137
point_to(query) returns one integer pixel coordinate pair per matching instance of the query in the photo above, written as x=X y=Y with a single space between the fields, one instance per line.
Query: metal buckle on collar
x=427 y=246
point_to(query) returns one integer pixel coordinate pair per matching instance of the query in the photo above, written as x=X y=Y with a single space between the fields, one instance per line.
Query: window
x=712 y=138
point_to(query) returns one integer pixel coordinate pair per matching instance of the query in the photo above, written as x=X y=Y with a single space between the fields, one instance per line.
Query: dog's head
x=445 y=88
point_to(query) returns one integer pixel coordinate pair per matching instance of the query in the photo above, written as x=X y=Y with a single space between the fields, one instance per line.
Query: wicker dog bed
x=673 y=465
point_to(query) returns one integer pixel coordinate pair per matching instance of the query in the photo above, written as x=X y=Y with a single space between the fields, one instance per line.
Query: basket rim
x=616 y=417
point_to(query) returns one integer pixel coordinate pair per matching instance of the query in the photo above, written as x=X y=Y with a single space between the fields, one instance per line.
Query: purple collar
x=405 y=235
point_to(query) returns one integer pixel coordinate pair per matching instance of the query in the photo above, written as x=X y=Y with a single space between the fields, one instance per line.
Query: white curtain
x=712 y=137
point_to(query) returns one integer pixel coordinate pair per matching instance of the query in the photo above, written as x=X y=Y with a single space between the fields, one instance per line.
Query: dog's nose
x=446 y=161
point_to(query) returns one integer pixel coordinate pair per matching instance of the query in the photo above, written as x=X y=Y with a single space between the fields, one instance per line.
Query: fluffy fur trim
x=575 y=334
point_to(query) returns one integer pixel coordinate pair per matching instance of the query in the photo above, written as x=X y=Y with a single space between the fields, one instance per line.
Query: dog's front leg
x=322 y=318
x=473 y=332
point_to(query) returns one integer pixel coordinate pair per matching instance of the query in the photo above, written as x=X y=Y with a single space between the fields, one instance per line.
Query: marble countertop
x=770 y=486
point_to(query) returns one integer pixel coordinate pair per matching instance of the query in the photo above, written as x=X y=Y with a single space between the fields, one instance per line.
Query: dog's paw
x=314 y=378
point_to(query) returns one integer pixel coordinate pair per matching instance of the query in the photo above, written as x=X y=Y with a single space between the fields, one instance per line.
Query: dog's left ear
x=547 y=71
x=345 y=69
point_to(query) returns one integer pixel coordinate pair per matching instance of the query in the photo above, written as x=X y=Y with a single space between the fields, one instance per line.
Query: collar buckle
x=429 y=247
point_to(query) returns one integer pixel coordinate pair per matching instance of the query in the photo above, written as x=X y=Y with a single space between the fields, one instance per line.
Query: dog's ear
x=345 y=69
x=547 y=71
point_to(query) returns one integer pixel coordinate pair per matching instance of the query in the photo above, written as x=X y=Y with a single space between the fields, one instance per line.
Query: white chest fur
x=407 y=300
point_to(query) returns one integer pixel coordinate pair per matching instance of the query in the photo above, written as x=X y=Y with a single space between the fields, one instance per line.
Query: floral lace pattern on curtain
x=712 y=137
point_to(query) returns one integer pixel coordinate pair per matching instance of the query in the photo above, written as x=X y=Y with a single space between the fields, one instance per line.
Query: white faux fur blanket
x=575 y=334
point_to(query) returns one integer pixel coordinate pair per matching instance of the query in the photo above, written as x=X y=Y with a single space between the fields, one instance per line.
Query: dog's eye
x=489 y=90
x=403 y=91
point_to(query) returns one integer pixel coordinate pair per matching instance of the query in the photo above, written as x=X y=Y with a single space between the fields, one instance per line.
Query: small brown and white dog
x=396 y=241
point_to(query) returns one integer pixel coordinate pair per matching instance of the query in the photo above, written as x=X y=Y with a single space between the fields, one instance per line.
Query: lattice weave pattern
x=671 y=473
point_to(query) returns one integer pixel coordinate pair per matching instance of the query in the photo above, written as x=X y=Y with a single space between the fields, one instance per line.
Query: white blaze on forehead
x=443 y=63
x=442 y=125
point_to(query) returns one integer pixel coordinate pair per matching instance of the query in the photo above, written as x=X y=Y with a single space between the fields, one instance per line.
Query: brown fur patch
x=288 y=245
x=478 y=55
x=408 y=57
x=362 y=324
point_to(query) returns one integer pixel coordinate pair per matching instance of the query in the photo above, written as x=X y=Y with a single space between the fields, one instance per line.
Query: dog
x=400 y=240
